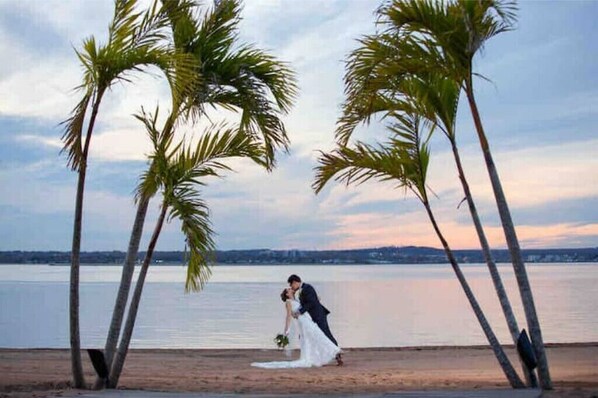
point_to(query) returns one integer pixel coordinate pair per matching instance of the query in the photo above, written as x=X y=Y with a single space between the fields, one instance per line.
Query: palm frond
x=152 y=179
x=403 y=159
x=428 y=43
x=186 y=205
x=260 y=117
x=237 y=77
x=256 y=85
x=358 y=165
x=217 y=32
x=135 y=40
x=276 y=76
x=183 y=23
x=198 y=269
x=216 y=144
x=374 y=77
x=73 y=131
x=123 y=22
x=432 y=22
x=485 y=19
x=435 y=98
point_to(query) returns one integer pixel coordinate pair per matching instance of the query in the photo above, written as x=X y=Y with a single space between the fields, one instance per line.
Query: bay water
x=240 y=307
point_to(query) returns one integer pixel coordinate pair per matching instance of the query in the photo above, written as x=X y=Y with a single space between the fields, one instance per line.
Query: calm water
x=373 y=305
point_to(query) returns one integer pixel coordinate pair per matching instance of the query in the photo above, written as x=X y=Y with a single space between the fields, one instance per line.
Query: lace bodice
x=295 y=305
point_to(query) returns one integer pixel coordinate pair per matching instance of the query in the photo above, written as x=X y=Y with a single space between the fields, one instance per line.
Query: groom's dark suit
x=311 y=304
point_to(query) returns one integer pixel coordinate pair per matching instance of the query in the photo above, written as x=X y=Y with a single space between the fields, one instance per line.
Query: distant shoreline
x=294 y=264
x=381 y=255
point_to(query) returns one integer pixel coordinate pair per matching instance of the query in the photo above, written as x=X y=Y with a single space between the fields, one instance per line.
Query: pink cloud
x=371 y=230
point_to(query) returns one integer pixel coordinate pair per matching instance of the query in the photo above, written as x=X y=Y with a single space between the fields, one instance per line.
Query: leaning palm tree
x=404 y=161
x=135 y=40
x=176 y=171
x=458 y=31
x=231 y=76
x=437 y=99
x=375 y=89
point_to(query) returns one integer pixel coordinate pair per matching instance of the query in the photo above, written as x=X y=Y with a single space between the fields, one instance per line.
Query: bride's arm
x=287 y=323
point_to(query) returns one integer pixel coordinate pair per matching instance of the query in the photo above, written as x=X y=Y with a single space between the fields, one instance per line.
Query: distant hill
x=381 y=255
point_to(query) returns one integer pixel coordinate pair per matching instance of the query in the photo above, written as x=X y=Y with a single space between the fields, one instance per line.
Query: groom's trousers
x=323 y=324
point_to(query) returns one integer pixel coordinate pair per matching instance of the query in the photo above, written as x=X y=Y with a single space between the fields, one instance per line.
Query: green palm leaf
x=135 y=40
x=178 y=170
x=236 y=77
x=196 y=227
x=403 y=160
x=188 y=207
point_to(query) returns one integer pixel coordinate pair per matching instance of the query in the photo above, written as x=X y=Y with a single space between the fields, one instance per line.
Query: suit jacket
x=311 y=304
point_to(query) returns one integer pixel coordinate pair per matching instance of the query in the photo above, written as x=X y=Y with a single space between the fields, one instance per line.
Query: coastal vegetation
x=135 y=40
x=227 y=75
x=206 y=67
x=410 y=74
x=372 y=255
x=404 y=160
x=177 y=172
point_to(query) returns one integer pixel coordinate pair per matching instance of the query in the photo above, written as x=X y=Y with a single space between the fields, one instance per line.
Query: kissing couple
x=317 y=344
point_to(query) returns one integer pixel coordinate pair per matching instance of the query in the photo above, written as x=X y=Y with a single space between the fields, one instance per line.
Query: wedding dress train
x=316 y=348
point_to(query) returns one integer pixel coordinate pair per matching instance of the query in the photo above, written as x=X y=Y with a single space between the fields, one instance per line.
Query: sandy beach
x=39 y=372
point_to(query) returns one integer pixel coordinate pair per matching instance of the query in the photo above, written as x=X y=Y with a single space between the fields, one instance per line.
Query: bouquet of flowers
x=281 y=340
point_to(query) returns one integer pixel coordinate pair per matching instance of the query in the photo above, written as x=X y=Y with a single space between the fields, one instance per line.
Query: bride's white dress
x=316 y=348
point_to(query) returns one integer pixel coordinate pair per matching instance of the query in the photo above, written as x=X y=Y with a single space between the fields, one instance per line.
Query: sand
x=39 y=372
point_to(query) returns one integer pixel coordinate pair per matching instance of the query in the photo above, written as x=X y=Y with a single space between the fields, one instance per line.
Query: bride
x=316 y=348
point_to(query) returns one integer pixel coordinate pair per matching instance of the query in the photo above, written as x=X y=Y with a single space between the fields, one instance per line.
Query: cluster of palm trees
x=410 y=73
x=206 y=66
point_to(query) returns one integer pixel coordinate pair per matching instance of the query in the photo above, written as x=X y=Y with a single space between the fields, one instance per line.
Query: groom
x=311 y=304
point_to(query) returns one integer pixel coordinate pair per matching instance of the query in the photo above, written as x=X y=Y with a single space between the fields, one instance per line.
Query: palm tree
x=456 y=32
x=404 y=161
x=439 y=98
x=176 y=171
x=372 y=93
x=134 y=41
x=231 y=76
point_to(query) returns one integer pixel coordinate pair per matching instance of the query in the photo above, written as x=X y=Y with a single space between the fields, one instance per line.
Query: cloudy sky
x=540 y=111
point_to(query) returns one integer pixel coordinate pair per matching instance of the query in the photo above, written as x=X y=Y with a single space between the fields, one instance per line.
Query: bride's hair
x=283 y=295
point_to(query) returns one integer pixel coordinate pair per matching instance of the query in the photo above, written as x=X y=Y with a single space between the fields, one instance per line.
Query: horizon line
x=307 y=250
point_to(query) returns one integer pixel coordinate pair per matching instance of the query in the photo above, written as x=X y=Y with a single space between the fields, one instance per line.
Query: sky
x=539 y=107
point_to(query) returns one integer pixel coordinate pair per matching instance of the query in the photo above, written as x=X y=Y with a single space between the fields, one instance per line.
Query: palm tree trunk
x=125 y=286
x=129 y=269
x=496 y=279
x=119 y=359
x=502 y=358
x=75 y=335
x=513 y=245
x=77 y=367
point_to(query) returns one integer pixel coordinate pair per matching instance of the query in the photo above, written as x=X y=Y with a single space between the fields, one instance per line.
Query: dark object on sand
x=526 y=351
x=99 y=363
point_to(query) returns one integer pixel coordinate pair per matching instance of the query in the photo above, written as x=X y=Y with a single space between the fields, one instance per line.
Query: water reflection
x=240 y=307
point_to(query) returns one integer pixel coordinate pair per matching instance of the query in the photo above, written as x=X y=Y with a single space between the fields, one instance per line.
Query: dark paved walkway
x=504 y=393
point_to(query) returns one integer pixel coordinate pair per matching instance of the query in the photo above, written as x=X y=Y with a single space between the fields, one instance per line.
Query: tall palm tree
x=375 y=89
x=134 y=41
x=438 y=99
x=232 y=76
x=404 y=161
x=176 y=171
x=458 y=31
